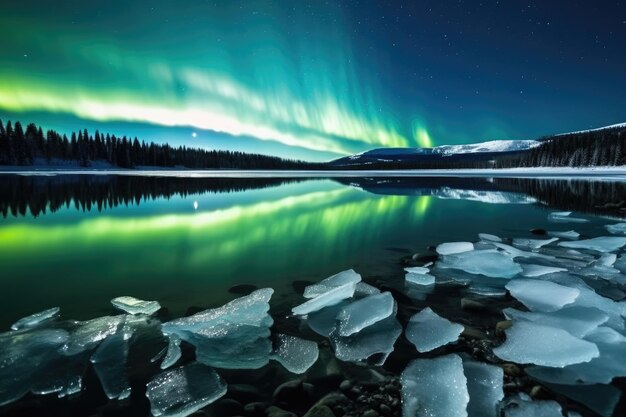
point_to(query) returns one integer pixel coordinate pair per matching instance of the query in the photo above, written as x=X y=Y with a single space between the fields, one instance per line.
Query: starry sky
x=313 y=79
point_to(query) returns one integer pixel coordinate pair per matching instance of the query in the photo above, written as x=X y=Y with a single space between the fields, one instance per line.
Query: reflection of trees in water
x=598 y=197
x=35 y=195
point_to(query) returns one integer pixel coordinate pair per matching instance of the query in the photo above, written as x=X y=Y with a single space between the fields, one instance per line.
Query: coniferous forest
x=33 y=146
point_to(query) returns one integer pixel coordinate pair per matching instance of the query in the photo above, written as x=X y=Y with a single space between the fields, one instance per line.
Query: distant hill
x=597 y=147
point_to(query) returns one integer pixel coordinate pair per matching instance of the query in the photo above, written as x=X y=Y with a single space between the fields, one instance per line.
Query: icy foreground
x=567 y=331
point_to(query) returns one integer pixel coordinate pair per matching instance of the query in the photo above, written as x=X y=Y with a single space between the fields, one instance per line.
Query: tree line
x=31 y=146
x=605 y=147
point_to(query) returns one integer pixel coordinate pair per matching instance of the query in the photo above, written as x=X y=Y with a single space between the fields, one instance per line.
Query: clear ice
x=428 y=331
x=295 y=354
x=132 y=305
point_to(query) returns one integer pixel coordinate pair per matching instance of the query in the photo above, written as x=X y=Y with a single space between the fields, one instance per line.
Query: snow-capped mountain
x=480 y=150
x=615 y=126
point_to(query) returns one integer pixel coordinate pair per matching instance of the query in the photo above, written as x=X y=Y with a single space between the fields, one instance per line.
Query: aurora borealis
x=313 y=80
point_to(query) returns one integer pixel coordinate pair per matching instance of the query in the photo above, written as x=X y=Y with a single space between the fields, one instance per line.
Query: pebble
x=370 y=413
x=320 y=410
x=274 y=411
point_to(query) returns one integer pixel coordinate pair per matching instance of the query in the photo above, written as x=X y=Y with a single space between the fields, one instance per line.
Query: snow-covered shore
x=618 y=173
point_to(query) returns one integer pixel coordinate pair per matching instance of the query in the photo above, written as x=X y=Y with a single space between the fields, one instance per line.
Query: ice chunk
x=36 y=319
x=362 y=289
x=528 y=342
x=428 y=331
x=486 y=262
x=88 y=334
x=578 y=321
x=530 y=408
x=22 y=356
x=324 y=321
x=326 y=299
x=616 y=229
x=109 y=362
x=533 y=243
x=564 y=217
x=541 y=295
x=531 y=270
x=363 y=313
x=234 y=336
x=486 y=291
x=600 y=398
x=378 y=338
x=182 y=391
x=337 y=280
x=295 y=354
x=435 y=388
x=420 y=279
x=570 y=234
x=599 y=244
x=517 y=253
x=418 y=270
x=134 y=305
x=489 y=238
x=454 y=247
x=485 y=387
x=173 y=351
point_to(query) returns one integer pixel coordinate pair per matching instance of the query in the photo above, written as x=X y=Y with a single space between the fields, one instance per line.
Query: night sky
x=314 y=80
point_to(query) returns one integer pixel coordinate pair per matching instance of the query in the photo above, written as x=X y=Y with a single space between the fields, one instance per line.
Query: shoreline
x=613 y=173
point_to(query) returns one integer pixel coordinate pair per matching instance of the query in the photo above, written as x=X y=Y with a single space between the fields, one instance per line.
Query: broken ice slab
x=326 y=299
x=234 y=336
x=486 y=291
x=541 y=295
x=363 y=313
x=88 y=334
x=564 y=217
x=419 y=270
x=616 y=229
x=486 y=262
x=528 y=342
x=182 y=391
x=419 y=279
x=529 y=408
x=532 y=243
x=132 y=305
x=36 y=319
x=362 y=289
x=600 y=370
x=428 y=331
x=532 y=271
x=22 y=356
x=570 y=234
x=376 y=339
x=600 y=398
x=518 y=253
x=485 y=387
x=598 y=244
x=173 y=353
x=295 y=354
x=449 y=248
x=328 y=284
x=578 y=321
x=109 y=362
x=489 y=238
x=324 y=321
x=435 y=388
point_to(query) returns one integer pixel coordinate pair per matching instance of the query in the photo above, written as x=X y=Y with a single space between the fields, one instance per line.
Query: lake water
x=77 y=242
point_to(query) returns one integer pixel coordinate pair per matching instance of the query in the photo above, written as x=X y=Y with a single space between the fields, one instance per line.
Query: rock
x=226 y=407
x=385 y=409
x=538 y=392
x=255 y=409
x=473 y=305
x=274 y=411
x=243 y=393
x=501 y=326
x=345 y=385
x=538 y=231
x=473 y=333
x=370 y=413
x=319 y=410
x=511 y=369
x=293 y=392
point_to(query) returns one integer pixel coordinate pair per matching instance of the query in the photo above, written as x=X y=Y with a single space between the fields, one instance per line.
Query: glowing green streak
x=258 y=85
